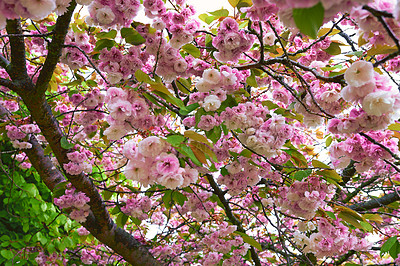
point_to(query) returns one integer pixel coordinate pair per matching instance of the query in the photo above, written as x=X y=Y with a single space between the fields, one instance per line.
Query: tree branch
x=8 y=83
x=17 y=67
x=55 y=49
x=4 y=63
x=375 y=203
x=100 y=223
x=231 y=216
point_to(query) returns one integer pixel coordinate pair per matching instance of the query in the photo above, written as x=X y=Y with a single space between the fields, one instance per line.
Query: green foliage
x=28 y=217
x=309 y=20
x=132 y=36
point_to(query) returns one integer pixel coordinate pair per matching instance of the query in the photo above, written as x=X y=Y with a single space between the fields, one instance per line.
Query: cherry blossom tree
x=262 y=134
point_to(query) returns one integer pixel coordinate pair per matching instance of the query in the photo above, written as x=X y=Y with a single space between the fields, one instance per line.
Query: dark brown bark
x=99 y=222
x=376 y=203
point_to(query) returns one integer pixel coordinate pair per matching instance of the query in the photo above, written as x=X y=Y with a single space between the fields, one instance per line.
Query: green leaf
x=163 y=92
x=249 y=240
x=373 y=217
x=122 y=219
x=192 y=50
x=300 y=175
x=388 y=244
x=179 y=198
x=356 y=53
x=196 y=136
x=206 y=18
x=328 y=141
x=7 y=254
x=246 y=153
x=188 y=109
x=65 y=144
x=309 y=20
x=214 y=134
x=175 y=140
x=251 y=80
x=366 y=226
x=220 y=13
x=345 y=216
x=333 y=49
x=394 y=127
x=151 y=98
x=107 y=194
x=185 y=150
x=330 y=174
x=233 y=2
x=91 y=83
x=31 y=189
x=224 y=172
x=244 y=3
x=136 y=221
x=319 y=164
x=395 y=250
x=331 y=215
x=270 y=105
x=381 y=49
x=107 y=35
x=103 y=43
x=132 y=36
x=167 y=199
x=142 y=77
x=184 y=85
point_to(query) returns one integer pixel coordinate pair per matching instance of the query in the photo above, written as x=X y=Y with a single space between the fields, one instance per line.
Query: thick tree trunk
x=99 y=222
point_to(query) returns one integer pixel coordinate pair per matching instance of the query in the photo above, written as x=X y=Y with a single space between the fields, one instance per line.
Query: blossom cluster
x=331 y=239
x=137 y=207
x=42 y=259
x=198 y=205
x=303 y=198
x=127 y=111
x=268 y=137
x=325 y=98
x=222 y=241
x=113 y=13
x=150 y=163
x=371 y=30
x=30 y=9
x=366 y=154
x=220 y=82
x=240 y=175
x=261 y=10
x=92 y=102
x=18 y=134
x=79 y=162
x=76 y=203
x=231 y=42
x=379 y=100
x=89 y=256
x=170 y=63
x=119 y=66
x=71 y=55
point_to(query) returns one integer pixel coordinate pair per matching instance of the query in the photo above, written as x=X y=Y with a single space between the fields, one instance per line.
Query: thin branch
x=376 y=203
x=4 y=63
x=231 y=216
x=90 y=61
x=380 y=145
x=27 y=35
x=358 y=189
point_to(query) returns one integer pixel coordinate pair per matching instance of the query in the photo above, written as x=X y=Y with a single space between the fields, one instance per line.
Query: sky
x=202 y=6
